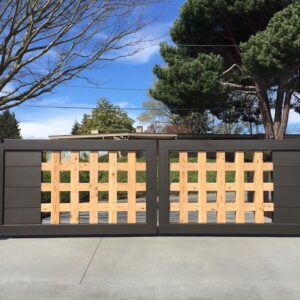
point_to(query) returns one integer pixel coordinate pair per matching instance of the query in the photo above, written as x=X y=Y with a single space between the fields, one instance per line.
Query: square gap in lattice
x=192 y=197
x=102 y=217
x=211 y=197
x=192 y=157
x=122 y=217
x=268 y=196
x=65 y=156
x=230 y=217
x=46 y=156
x=249 y=196
x=211 y=176
x=103 y=197
x=229 y=157
x=122 y=176
x=65 y=177
x=193 y=217
x=267 y=156
x=174 y=177
x=122 y=197
x=46 y=218
x=174 y=217
x=140 y=197
x=230 y=176
x=84 y=197
x=173 y=157
x=250 y=217
x=46 y=176
x=211 y=157
x=64 y=197
x=230 y=197
x=64 y=217
x=268 y=176
x=174 y=197
x=122 y=157
x=141 y=217
x=103 y=177
x=140 y=176
x=103 y=157
x=84 y=217
x=45 y=197
x=140 y=156
x=249 y=176
x=84 y=156
x=211 y=217
x=248 y=156
x=84 y=176
x=193 y=176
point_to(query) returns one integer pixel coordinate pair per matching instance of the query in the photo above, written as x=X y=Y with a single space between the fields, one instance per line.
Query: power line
x=127 y=108
x=131 y=89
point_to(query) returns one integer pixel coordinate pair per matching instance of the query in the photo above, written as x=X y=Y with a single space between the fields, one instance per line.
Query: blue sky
x=133 y=72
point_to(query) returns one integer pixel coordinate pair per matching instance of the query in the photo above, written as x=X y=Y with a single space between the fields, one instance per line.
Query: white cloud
x=149 y=39
x=41 y=128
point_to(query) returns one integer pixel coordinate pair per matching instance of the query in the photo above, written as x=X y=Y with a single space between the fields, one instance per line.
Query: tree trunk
x=262 y=95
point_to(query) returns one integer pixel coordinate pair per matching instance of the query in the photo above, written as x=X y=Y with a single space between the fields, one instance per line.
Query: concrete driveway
x=150 y=268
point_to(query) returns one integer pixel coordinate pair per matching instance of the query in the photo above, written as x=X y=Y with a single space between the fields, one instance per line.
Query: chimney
x=139 y=129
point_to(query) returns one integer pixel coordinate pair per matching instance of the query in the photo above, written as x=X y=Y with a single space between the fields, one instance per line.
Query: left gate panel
x=22 y=182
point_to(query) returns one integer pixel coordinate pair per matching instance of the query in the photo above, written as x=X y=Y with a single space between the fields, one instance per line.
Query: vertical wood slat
x=183 y=193
x=55 y=193
x=240 y=187
x=112 y=199
x=202 y=213
x=258 y=187
x=93 y=187
x=74 y=215
x=221 y=212
x=131 y=214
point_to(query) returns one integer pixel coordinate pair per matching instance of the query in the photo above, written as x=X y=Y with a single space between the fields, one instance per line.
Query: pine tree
x=9 y=126
x=75 y=128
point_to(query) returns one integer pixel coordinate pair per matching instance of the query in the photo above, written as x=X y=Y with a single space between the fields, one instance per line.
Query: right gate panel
x=212 y=187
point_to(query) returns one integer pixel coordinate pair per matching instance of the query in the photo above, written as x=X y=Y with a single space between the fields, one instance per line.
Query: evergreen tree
x=75 y=128
x=106 y=118
x=9 y=126
x=238 y=59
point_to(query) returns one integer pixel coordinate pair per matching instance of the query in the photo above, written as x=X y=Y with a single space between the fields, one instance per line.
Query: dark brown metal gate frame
x=25 y=147
x=286 y=159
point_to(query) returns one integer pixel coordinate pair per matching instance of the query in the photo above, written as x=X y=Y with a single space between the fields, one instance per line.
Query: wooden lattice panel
x=93 y=187
x=240 y=187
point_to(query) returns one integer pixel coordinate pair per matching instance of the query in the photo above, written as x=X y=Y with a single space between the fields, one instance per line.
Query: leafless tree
x=44 y=43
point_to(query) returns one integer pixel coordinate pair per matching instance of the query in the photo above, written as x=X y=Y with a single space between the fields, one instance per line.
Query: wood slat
x=55 y=193
x=183 y=192
x=221 y=215
x=83 y=207
x=228 y=166
x=74 y=215
x=240 y=187
x=131 y=215
x=93 y=188
x=258 y=190
x=112 y=217
x=202 y=213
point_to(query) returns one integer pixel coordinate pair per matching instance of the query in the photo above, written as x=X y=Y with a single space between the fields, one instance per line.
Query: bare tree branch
x=44 y=43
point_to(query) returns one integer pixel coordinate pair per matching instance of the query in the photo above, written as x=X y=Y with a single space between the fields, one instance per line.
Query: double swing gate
x=100 y=187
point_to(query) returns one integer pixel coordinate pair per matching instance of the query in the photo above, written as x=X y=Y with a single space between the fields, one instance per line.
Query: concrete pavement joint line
x=80 y=282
